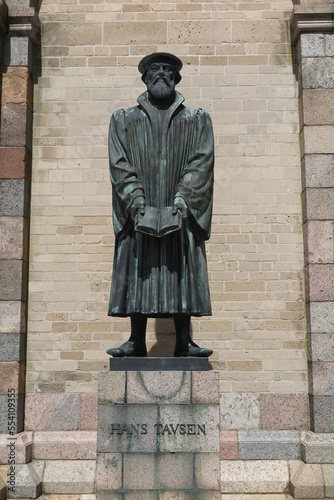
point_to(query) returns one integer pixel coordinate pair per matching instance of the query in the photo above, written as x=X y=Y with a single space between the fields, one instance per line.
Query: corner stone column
x=312 y=34
x=19 y=34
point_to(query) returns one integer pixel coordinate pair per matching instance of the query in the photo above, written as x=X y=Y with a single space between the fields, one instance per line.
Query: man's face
x=160 y=80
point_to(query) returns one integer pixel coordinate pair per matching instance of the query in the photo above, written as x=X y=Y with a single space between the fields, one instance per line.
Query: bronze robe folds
x=159 y=154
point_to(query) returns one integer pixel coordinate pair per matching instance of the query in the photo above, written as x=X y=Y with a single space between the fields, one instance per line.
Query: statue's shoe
x=195 y=351
x=199 y=352
x=127 y=349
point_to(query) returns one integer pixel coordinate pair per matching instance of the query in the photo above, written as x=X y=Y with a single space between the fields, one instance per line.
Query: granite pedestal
x=158 y=434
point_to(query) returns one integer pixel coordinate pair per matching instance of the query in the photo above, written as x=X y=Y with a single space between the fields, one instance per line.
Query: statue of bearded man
x=161 y=155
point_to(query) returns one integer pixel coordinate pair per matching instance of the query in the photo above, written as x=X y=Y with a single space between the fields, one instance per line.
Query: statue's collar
x=145 y=103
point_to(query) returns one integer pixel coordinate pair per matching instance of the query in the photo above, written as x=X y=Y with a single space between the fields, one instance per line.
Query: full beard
x=160 y=89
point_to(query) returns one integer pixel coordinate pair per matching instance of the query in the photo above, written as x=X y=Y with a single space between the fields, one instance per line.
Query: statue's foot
x=127 y=349
x=194 y=351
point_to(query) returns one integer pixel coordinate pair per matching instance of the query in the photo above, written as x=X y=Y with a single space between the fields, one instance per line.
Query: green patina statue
x=161 y=168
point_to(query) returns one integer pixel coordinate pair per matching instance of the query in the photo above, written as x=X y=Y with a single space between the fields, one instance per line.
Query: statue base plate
x=134 y=363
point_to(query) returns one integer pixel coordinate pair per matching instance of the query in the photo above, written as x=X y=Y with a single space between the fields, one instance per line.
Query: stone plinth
x=158 y=432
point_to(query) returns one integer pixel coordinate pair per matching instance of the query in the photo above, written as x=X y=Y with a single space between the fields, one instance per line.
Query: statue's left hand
x=180 y=204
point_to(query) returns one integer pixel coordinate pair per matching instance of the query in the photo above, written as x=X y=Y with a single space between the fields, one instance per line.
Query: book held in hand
x=158 y=222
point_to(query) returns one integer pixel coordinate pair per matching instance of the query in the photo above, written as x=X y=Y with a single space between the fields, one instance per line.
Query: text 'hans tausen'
x=158 y=429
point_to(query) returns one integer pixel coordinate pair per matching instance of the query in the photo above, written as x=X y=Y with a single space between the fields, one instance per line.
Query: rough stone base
x=240 y=480
x=158 y=432
x=63 y=463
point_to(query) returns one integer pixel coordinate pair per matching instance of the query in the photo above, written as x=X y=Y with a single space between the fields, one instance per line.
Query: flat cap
x=161 y=57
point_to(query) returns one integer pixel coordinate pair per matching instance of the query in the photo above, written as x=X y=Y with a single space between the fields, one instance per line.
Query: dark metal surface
x=130 y=364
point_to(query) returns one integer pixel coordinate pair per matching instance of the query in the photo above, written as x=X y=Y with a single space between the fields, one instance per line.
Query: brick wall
x=237 y=65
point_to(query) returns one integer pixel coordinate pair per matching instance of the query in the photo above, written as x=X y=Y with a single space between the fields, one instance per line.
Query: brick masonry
x=237 y=65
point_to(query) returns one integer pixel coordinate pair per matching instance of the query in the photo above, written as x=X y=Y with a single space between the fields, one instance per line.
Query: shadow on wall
x=163 y=337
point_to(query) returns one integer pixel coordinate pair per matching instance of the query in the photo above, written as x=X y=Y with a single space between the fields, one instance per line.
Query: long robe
x=159 y=154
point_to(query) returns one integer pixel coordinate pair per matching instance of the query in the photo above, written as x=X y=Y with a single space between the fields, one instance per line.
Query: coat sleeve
x=126 y=185
x=196 y=182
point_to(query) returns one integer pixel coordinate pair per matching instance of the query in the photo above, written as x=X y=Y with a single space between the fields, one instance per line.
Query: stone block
x=328 y=474
x=133 y=495
x=321 y=317
x=158 y=387
x=200 y=431
x=256 y=476
x=16 y=447
x=109 y=471
x=69 y=476
x=88 y=412
x=205 y=387
x=127 y=428
x=117 y=33
x=229 y=445
x=319 y=280
x=270 y=496
x=12 y=377
x=17 y=51
x=258 y=31
x=72 y=34
x=284 y=411
x=54 y=412
x=61 y=445
x=318 y=106
x=318 y=171
x=16 y=86
x=12 y=346
x=14 y=126
x=153 y=472
x=317 y=139
x=306 y=480
x=207 y=471
x=319 y=238
x=269 y=445
x=198 y=31
x=12 y=317
x=322 y=413
x=312 y=45
x=329 y=44
x=316 y=202
x=318 y=73
x=321 y=374
x=7 y=424
x=321 y=347
x=13 y=280
x=13 y=198
x=14 y=163
x=28 y=480
x=129 y=495
x=317 y=448
x=239 y=411
x=11 y=244
x=193 y=495
x=112 y=387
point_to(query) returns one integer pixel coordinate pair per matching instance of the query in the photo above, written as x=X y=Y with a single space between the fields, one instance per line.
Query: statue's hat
x=161 y=57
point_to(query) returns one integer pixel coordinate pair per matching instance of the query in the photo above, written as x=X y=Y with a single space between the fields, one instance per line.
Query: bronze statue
x=161 y=168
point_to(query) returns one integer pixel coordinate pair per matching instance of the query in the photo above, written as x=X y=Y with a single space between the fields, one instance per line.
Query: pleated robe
x=159 y=154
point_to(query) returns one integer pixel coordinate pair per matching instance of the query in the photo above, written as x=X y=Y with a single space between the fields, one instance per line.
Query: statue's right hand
x=138 y=205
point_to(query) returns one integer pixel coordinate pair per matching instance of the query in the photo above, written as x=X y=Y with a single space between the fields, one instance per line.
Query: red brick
x=16 y=86
x=228 y=445
x=14 y=163
x=11 y=377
